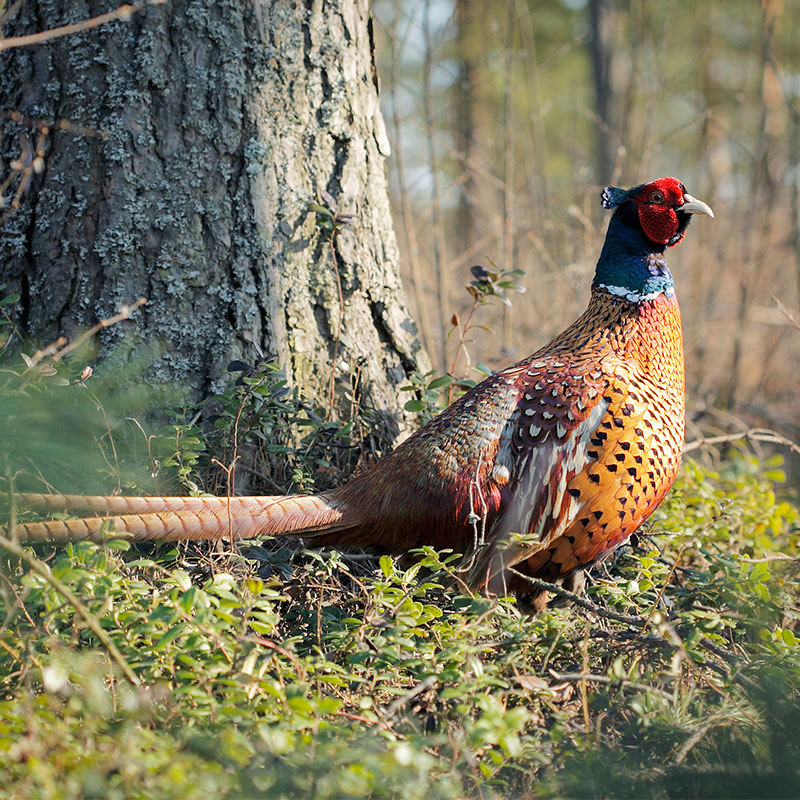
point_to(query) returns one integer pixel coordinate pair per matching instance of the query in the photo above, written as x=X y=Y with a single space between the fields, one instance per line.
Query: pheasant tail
x=176 y=518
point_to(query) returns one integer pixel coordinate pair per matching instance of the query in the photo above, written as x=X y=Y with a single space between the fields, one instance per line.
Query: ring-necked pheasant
x=546 y=466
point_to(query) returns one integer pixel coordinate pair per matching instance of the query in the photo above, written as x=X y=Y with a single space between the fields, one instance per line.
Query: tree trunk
x=470 y=109
x=605 y=132
x=224 y=121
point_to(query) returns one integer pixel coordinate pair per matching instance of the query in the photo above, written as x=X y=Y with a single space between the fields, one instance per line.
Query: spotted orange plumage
x=540 y=470
x=632 y=452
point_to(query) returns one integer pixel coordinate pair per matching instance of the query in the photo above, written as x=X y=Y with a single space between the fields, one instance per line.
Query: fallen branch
x=754 y=434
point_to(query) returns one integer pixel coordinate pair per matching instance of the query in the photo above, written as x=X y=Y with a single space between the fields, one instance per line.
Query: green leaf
x=173 y=633
x=387 y=566
x=9 y=300
x=440 y=382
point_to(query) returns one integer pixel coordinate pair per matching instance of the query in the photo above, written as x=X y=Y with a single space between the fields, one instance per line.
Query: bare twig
x=229 y=478
x=362 y=718
x=692 y=741
x=636 y=622
x=404 y=699
x=462 y=329
x=48 y=125
x=582 y=677
x=582 y=602
x=19 y=602
x=59 y=348
x=786 y=313
x=124 y=12
x=664 y=586
x=10 y=13
x=767 y=559
x=124 y=313
x=754 y=434
x=269 y=644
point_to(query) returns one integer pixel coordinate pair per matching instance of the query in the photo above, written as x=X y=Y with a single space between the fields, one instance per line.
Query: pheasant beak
x=692 y=205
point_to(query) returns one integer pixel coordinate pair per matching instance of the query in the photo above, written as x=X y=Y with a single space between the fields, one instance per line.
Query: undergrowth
x=272 y=671
x=331 y=678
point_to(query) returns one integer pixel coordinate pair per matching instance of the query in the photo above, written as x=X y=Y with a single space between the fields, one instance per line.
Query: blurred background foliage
x=507 y=118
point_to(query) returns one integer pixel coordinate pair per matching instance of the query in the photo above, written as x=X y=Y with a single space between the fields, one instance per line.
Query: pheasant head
x=648 y=219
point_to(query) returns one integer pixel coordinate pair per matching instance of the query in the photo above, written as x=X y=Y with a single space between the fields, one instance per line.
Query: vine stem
x=463 y=330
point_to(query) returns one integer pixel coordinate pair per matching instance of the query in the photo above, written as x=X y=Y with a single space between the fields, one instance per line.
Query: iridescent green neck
x=630 y=265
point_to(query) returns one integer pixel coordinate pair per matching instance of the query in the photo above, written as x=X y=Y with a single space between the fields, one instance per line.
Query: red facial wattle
x=656 y=203
x=660 y=223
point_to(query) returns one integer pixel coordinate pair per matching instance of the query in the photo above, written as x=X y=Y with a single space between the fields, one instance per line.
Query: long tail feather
x=210 y=518
x=111 y=505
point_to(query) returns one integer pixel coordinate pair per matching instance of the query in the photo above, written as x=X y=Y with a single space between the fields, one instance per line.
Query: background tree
x=234 y=175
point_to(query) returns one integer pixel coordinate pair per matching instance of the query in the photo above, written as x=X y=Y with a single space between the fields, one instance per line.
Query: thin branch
x=48 y=125
x=767 y=559
x=637 y=622
x=754 y=434
x=582 y=602
x=124 y=12
x=124 y=313
x=362 y=718
x=59 y=348
x=584 y=679
x=664 y=586
x=10 y=13
x=288 y=654
x=574 y=677
x=786 y=313
x=404 y=699
x=692 y=741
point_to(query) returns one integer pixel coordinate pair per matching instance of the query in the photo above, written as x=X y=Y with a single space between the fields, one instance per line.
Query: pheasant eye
x=656 y=197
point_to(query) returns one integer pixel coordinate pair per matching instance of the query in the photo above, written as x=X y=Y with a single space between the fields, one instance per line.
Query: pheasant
x=541 y=470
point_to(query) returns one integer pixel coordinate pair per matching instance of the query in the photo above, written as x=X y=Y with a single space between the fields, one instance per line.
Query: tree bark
x=601 y=76
x=225 y=120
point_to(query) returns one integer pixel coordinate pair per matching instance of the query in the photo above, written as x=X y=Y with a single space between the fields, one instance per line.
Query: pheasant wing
x=584 y=467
